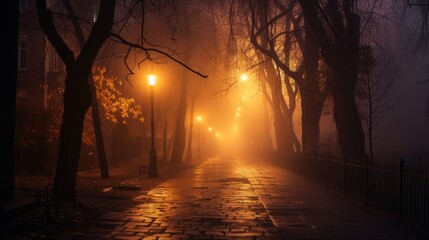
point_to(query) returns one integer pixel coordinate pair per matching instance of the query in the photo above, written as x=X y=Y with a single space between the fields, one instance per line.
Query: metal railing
x=394 y=187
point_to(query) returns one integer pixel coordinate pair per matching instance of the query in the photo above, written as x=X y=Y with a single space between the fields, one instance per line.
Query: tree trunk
x=8 y=97
x=294 y=141
x=77 y=100
x=311 y=113
x=312 y=98
x=350 y=132
x=287 y=113
x=180 y=133
x=191 y=127
x=268 y=142
x=184 y=45
x=170 y=145
x=101 y=151
x=283 y=137
x=77 y=93
x=283 y=141
x=164 y=143
x=342 y=55
x=370 y=116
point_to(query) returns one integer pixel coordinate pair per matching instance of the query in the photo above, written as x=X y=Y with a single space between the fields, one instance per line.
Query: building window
x=22 y=54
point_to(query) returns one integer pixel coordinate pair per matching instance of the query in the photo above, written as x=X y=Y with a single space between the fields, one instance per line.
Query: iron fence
x=394 y=187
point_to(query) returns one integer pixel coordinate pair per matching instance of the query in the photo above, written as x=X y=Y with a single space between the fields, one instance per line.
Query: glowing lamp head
x=243 y=77
x=210 y=129
x=151 y=79
x=199 y=118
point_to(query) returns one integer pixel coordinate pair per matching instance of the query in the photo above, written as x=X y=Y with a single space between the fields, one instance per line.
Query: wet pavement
x=227 y=198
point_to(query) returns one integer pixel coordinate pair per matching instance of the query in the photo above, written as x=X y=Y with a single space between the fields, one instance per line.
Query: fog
x=236 y=118
x=213 y=96
x=404 y=130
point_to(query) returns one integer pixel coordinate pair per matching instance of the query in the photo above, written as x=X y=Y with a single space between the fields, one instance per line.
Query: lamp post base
x=153 y=170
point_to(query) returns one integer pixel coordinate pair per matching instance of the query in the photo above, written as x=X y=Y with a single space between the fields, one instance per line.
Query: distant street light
x=153 y=169
x=199 y=120
x=244 y=77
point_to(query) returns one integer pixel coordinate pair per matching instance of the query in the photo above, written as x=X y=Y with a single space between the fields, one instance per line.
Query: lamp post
x=209 y=142
x=199 y=120
x=153 y=169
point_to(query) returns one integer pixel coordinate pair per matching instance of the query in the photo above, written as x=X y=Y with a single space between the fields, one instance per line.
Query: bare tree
x=104 y=170
x=261 y=39
x=77 y=95
x=287 y=35
x=336 y=26
x=422 y=8
x=373 y=90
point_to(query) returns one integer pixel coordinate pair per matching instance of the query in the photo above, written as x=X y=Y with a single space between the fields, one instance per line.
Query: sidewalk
x=305 y=209
x=233 y=199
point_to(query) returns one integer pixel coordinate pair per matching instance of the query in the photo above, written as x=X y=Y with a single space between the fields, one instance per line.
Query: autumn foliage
x=115 y=107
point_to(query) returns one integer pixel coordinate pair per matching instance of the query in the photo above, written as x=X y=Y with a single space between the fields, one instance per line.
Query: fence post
x=401 y=189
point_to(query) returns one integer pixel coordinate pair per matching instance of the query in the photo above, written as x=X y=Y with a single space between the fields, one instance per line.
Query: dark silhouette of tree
x=336 y=25
x=195 y=24
x=8 y=100
x=191 y=128
x=179 y=142
x=373 y=90
x=266 y=22
x=101 y=152
x=422 y=8
x=261 y=37
x=180 y=128
x=77 y=94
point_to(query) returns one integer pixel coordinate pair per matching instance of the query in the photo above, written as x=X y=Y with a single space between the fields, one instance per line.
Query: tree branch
x=47 y=25
x=147 y=50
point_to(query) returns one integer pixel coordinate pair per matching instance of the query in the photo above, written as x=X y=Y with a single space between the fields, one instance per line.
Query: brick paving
x=214 y=200
x=226 y=198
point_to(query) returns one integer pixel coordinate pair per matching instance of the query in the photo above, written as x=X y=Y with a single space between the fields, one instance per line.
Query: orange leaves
x=116 y=107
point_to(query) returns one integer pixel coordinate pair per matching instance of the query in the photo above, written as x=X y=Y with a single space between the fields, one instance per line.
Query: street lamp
x=244 y=77
x=199 y=120
x=153 y=170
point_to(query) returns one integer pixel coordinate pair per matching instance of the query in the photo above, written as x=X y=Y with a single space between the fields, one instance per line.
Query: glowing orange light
x=243 y=77
x=210 y=129
x=199 y=118
x=151 y=79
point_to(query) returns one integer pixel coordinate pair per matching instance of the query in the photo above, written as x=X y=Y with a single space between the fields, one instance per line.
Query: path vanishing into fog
x=227 y=198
